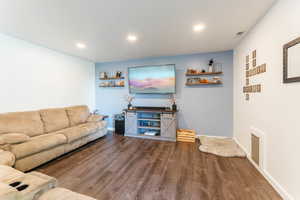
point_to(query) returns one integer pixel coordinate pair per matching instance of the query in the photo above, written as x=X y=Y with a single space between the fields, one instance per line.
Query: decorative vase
x=129 y=106
x=174 y=107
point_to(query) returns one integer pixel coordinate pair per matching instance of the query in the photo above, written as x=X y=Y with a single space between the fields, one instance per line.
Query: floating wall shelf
x=112 y=78
x=203 y=73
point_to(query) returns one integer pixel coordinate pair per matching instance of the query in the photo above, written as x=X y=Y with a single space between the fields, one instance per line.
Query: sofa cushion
x=42 y=136
x=28 y=123
x=78 y=114
x=30 y=162
x=36 y=145
x=95 y=118
x=102 y=124
x=74 y=133
x=13 y=138
x=91 y=127
x=54 y=119
x=7 y=158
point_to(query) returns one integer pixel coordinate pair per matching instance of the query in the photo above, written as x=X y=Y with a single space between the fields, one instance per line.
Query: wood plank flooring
x=123 y=168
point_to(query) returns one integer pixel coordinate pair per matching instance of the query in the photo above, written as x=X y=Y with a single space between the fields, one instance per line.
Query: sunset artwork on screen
x=152 y=79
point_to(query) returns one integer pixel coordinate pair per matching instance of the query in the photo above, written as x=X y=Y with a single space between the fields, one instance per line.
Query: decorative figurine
x=211 y=65
x=102 y=75
x=129 y=99
x=173 y=101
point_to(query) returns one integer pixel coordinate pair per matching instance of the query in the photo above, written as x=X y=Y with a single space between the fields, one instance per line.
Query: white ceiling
x=164 y=27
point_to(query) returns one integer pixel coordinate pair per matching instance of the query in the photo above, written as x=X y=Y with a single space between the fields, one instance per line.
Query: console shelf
x=149 y=127
x=159 y=122
x=145 y=119
x=150 y=137
x=195 y=84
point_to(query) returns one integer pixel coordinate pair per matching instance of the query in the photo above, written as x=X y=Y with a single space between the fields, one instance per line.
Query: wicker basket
x=185 y=135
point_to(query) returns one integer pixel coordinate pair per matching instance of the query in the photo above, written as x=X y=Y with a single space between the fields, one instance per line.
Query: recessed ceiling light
x=199 y=27
x=81 y=45
x=131 y=38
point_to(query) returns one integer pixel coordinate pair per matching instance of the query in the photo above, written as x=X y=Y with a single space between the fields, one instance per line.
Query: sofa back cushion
x=28 y=123
x=78 y=114
x=54 y=119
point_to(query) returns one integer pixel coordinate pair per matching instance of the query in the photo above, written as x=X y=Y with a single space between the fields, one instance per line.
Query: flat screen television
x=156 y=79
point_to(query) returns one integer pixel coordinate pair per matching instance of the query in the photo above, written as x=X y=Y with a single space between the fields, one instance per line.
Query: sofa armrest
x=7 y=158
x=5 y=147
x=38 y=184
x=7 y=192
x=95 y=118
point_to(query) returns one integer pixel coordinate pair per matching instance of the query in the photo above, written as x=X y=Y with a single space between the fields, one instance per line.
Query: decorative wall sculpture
x=251 y=60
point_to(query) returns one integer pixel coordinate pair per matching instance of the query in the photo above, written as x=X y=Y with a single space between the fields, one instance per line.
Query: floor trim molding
x=281 y=191
x=220 y=137
x=111 y=129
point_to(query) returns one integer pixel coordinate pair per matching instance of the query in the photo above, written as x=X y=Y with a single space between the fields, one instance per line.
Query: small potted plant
x=129 y=99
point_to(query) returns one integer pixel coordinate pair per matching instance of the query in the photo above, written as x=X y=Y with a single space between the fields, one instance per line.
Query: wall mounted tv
x=155 y=79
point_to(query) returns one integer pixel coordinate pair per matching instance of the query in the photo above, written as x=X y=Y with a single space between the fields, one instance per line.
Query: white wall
x=276 y=110
x=34 y=77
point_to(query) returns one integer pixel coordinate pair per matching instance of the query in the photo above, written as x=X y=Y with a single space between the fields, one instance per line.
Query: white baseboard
x=281 y=191
x=221 y=137
x=111 y=129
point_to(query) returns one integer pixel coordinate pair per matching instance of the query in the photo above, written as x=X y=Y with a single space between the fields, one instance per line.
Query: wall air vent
x=257 y=147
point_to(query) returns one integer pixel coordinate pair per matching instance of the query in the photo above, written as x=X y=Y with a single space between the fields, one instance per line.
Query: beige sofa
x=39 y=187
x=37 y=137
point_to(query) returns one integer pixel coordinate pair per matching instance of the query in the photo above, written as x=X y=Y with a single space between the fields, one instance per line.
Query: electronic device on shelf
x=153 y=79
x=151 y=133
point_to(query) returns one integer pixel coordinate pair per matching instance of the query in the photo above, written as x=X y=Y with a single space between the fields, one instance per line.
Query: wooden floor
x=122 y=168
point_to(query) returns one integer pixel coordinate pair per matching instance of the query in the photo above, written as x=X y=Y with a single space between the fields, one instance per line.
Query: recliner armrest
x=37 y=183
x=5 y=147
x=7 y=192
x=7 y=158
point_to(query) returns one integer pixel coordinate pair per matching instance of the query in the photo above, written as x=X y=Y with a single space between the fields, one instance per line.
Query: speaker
x=119 y=124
